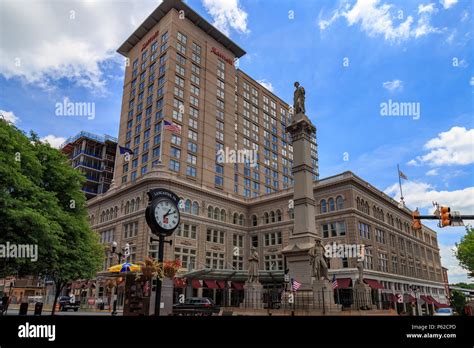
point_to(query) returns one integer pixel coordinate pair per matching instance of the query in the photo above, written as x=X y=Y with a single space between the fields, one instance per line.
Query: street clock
x=162 y=214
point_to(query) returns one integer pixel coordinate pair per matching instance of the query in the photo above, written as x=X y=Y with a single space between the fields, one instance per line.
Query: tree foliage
x=41 y=203
x=465 y=250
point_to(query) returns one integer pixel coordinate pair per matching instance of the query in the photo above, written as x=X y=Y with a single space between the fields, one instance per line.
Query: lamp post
x=124 y=251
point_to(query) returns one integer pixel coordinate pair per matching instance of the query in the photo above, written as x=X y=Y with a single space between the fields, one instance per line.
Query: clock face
x=166 y=214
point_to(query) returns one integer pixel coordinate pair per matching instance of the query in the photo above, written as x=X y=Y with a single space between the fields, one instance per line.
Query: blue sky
x=350 y=56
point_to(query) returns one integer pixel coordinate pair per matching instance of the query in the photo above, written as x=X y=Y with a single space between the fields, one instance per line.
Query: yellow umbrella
x=124 y=267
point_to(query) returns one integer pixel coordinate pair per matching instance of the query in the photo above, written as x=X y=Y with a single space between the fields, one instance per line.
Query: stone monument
x=253 y=290
x=362 y=295
x=304 y=253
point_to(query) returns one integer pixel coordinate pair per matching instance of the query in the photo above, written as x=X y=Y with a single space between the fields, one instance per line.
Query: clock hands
x=169 y=213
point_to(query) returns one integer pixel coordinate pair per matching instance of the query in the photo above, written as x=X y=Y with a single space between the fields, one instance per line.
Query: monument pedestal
x=323 y=295
x=253 y=295
x=362 y=296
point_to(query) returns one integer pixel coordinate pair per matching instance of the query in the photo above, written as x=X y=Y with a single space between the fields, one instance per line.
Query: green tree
x=465 y=250
x=458 y=301
x=41 y=203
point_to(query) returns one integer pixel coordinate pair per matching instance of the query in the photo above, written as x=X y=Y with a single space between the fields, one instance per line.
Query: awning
x=179 y=283
x=374 y=284
x=435 y=302
x=426 y=299
x=211 y=284
x=344 y=283
x=238 y=286
x=411 y=298
x=442 y=305
x=392 y=298
x=196 y=283
x=221 y=283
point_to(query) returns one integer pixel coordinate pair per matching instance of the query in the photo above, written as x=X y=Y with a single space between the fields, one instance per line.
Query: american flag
x=402 y=175
x=295 y=285
x=335 y=284
x=172 y=127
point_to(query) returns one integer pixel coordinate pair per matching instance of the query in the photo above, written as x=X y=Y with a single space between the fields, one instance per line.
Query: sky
x=359 y=61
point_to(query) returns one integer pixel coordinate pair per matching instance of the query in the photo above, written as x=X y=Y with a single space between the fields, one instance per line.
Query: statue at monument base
x=362 y=294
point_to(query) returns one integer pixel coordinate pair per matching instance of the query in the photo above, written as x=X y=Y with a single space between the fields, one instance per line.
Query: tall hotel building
x=181 y=70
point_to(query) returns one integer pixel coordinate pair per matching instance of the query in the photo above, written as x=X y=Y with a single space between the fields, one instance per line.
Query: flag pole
x=400 y=183
x=161 y=140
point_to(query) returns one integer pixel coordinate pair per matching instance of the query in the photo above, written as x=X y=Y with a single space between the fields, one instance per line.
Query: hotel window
x=196 y=48
x=273 y=238
x=193 y=100
x=220 y=93
x=401 y=244
x=273 y=262
x=368 y=261
x=192 y=135
x=179 y=81
x=192 y=147
x=157 y=139
x=180 y=70
x=195 y=90
x=164 y=37
x=195 y=79
x=180 y=48
x=220 y=74
x=177 y=116
x=383 y=262
x=238 y=240
x=394 y=264
x=215 y=260
x=220 y=104
x=379 y=236
x=187 y=231
x=182 y=38
x=175 y=152
x=174 y=165
x=180 y=59
x=175 y=139
x=193 y=123
x=339 y=202
x=196 y=58
x=364 y=230
x=178 y=104
x=221 y=64
x=195 y=69
x=193 y=112
x=178 y=92
x=191 y=159
x=191 y=171
x=130 y=230
x=215 y=236
x=324 y=208
x=238 y=262
x=186 y=256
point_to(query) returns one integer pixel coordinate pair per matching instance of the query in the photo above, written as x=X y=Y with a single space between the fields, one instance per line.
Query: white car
x=444 y=312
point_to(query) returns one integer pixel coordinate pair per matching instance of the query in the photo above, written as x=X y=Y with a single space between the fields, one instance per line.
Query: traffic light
x=416 y=222
x=445 y=216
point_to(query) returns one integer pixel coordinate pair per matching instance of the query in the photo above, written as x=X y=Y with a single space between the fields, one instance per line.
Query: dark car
x=66 y=303
x=196 y=306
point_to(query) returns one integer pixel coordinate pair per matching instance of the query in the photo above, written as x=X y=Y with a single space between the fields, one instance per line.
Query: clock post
x=163 y=217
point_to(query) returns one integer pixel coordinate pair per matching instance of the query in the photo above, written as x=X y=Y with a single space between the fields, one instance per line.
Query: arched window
x=217 y=214
x=278 y=215
x=254 y=220
x=265 y=218
x=235 y=218
x=210 y=211
x=324 y=207
x=137 y=204
x=195 y=209
x=292 y=213
x=339 y=203
x=91 y=219
x=223 y=215
x=115 y=212
x=367 y=208
x=332 y=207
x=272 y=216
x=374 y=211
x=102 y=216
x=127 y=207
x=382 y=217
x=241 y=220
x=132 y=206
x=107 y=215
x=187 y=206
x=358 y=203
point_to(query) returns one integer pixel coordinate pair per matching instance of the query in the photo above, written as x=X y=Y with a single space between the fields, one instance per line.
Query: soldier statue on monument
x=318 y=262
x=299 y=99
x=253 y=266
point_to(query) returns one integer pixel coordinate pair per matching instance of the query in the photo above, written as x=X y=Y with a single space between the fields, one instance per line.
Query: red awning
x=238 y=286
x=196 y=283
x=426 y=299
x=442 y=305
x=392 y=298
x=221 y=283
x=374 y=284
x=343 y=283
x=179 y=283
x=411 y=299
x=211 y=284
x=436 y=303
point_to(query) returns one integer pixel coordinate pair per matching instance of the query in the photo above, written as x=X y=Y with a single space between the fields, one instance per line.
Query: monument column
x=304 y=232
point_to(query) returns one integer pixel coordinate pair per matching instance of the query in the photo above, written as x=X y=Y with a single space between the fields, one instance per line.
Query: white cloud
x=226 y=15
x=395 y=85
x=52 y=40
x=471 y=82
x=456 y=273
x=9 y=116
x=432 y=172
x=376 y=19
x=421 y=195
x=268 y=85
x=53 y=140
x=454 y=147
x=448 y=3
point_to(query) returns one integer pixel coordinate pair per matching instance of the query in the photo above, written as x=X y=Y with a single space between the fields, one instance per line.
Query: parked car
x=444 y=312
x=196 y=306
x=66 y=303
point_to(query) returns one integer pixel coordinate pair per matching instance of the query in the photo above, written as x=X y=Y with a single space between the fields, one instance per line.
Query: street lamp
x=124 y=251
